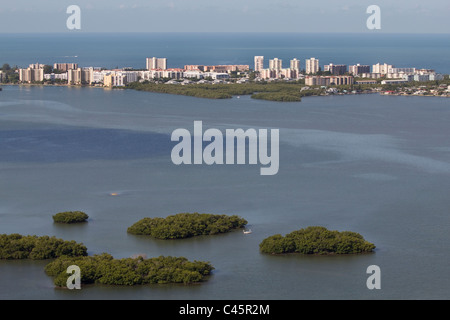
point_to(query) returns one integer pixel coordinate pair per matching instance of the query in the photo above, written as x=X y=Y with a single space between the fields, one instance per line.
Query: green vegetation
x=104 y=269
x=184 y=225
x=276 y=91
x=10 y=75
x=316 y=240
x=276 y=96
x=16 y=246
x=70 y=217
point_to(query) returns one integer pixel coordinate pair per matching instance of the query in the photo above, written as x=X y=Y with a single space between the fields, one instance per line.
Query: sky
x=397 y=16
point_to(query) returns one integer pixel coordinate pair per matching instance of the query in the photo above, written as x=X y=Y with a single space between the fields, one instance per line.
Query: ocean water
x=130 y=49
x=372 y=164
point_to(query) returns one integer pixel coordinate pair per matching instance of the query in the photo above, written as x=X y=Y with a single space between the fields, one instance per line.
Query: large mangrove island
x=104 y=269
x=185 y=225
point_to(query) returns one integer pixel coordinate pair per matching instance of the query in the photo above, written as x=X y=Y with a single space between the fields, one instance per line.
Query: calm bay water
x=372 y=164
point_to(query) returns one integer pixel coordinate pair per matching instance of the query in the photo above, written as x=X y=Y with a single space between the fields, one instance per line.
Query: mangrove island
x=104 y=269
x=316 y=240
x=16 y=246
x=70 y=217
x=185 y=225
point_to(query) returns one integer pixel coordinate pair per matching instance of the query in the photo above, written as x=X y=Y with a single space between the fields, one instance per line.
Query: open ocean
x=431 y=51
x=372 y=164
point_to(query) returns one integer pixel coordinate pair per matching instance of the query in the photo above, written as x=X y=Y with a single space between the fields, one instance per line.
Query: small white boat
x=247 y=231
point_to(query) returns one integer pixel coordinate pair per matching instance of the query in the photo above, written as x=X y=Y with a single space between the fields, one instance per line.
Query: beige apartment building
x=259 y=63
x=275 y=64
x=156 y=63
x=311 y=66
x=31 y=75
x=295 y=64
x=80 y=76
x=65 y=66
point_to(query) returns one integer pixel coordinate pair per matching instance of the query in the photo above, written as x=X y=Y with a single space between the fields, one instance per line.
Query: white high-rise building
x=156 y=63
x=275 y=64
x=259 y=63
x=312 y=65
x=295 y=64
x=381 y=68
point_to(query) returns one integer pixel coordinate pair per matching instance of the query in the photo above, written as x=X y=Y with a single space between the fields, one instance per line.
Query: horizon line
x=224 y=32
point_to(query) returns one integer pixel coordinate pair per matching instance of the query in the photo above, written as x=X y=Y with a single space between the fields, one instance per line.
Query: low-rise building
x=423 y=77
x=56 y=76
x=394 y=81
x=328 y=80
x=366 y=82
x=371 y=75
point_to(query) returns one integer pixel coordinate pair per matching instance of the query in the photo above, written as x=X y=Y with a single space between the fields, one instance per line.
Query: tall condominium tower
x=295 y=64
x=156 y=63
x=275 y=64
x=312 y=66
x=259 y=63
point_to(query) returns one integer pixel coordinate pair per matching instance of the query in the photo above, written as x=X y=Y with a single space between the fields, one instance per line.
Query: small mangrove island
x=70 y=217
x=185 y=225
x=104 y=269
x=16 y=246
x=316 y=240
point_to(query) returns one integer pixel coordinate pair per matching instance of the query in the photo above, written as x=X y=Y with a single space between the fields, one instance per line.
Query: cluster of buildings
x=156 y=68
x=339 y=73
x=276 y=70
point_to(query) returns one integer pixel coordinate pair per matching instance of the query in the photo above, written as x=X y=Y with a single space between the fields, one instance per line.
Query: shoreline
x=321 y=94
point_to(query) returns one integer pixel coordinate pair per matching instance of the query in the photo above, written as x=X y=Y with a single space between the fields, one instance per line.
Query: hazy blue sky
x=400 y=16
